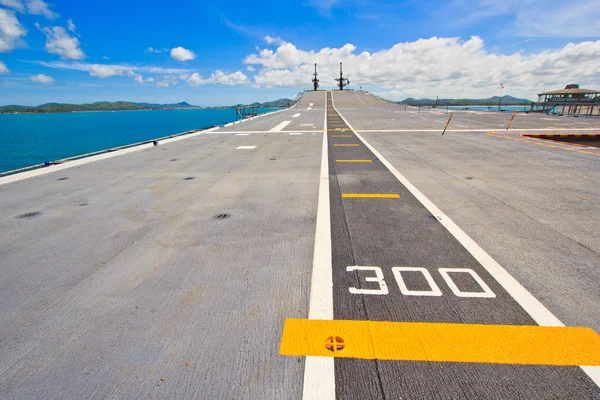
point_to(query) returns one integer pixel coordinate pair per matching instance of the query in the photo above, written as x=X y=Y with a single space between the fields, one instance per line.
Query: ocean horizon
x=31 y=139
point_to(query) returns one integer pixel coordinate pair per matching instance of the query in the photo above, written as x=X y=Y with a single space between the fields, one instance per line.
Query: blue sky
x=218 y=53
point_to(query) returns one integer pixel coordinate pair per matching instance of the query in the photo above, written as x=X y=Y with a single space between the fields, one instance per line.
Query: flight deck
x=339 y=249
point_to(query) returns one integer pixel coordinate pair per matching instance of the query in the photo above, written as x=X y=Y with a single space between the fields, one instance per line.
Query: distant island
x=491 y=101
x=125 y=106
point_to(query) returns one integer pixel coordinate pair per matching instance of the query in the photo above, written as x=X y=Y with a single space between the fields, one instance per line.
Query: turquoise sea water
x=493 y=108
x=29 y=139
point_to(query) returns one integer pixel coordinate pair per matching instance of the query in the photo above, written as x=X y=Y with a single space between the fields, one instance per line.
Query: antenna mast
x=342 y=82
x=315 y=80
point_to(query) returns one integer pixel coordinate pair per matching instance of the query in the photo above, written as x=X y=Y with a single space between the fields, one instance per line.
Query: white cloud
x=59 y=42
x=153 y=50
x=274 y=40
x=555 y=18
x=195 y=80
x=71 y=26
x=181 y=54
x=11 y=31
x=137 y=78
x=104 y=71
x=78 y=66
x=39 y=7
x=166 y=80
x=42 y=79
x=250 y=68
x=219 y=78
x=15 y=4
x=323 y=6
x=436 y=66
x=3 y=68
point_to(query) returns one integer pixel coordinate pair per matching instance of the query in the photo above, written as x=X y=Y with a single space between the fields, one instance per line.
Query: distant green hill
x=269 y=104
x=506 y=100
x=98 y=106
x=124 y=105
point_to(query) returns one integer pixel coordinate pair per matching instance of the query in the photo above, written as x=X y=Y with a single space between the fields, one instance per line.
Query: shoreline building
x=572 y=100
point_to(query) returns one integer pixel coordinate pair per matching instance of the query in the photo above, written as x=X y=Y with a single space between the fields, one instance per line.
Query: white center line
x=307 y=125
x=295 y=133
x=296 y=115
x=242 y=134
x=245 y=147
x=279 y=127
x=319 y=378
x=310 y=105
x=309 y=108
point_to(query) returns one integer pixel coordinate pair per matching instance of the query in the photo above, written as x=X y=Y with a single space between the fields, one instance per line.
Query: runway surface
x=170 y=271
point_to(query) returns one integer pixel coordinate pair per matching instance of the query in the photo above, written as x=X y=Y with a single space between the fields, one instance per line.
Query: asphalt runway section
x=394 y=261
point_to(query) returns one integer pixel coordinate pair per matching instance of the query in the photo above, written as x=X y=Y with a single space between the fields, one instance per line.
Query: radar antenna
x=342 y=82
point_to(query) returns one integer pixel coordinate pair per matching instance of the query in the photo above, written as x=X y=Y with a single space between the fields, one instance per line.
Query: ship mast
x=342 y=82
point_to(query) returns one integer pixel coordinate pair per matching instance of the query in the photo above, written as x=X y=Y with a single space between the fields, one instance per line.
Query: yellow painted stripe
x=352 y=161
x=420 y=341
x=371 y=195
x=346 y=145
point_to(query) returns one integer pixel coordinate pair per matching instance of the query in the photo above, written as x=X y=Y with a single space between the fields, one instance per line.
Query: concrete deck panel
x=125 y=276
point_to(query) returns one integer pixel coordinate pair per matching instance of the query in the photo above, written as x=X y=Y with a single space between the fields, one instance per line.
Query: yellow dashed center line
x=371 y=195
x=440 y=342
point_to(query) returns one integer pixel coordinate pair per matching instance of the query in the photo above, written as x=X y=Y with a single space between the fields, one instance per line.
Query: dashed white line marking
x=242 y=134
x=310 y=105
x=279 y=127
x=245 y=147
x=319 y=381
x=295 y=133
x=296 y=115
x=540 y=314
x=308 y=108
x=307 y=124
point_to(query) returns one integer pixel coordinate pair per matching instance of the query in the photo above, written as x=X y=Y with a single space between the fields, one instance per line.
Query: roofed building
x=572 y=100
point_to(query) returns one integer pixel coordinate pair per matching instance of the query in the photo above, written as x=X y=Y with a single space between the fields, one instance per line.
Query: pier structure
x=242 y=112
x=572 y=100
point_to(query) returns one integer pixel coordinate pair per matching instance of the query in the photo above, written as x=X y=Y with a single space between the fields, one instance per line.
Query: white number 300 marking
x=434 y=290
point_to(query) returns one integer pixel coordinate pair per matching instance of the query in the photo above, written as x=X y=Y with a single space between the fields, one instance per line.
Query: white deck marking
x=245 y=147
x=242 y=134
x=496 y=129
x=310 y=105
x=308 y=108
x=279 y=127
x=296 y=115
x=232 y=132
x=295 y=133
x=540 y=314
x=319 y=380
x=307 y=124
x=75 y=163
